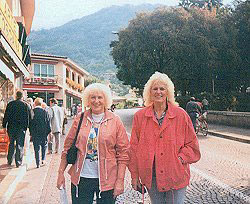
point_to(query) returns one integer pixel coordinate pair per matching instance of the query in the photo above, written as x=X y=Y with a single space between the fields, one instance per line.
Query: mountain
x=86 y=40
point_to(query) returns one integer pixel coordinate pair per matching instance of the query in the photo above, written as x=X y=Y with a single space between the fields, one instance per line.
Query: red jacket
x=113 y=148
x=175 y=138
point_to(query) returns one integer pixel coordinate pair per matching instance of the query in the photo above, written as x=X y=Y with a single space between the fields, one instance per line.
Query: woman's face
x=158 y=92
x=97 y=102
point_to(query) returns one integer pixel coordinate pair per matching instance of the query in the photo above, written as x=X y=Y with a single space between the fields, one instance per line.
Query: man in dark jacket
x=193 y=109
x=39 y=130
x=16 y=119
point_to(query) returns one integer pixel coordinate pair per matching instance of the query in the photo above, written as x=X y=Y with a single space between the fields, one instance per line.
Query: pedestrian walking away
x=16 y=120
x=163 y=144
x=39 y=130
x=205 y=104
x=56 y=125
x=193 y=110
x=103 y=151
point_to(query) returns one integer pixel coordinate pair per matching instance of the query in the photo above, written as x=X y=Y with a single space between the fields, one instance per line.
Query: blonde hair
x=30 y=101
x=159 y=77
x=94 y=88
x=44 y=105
x=38 y=101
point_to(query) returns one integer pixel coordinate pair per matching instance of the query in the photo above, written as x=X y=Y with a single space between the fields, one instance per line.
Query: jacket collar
x=170 y=112
x=107 y=114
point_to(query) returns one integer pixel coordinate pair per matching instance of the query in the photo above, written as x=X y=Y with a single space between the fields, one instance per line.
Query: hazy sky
x=53 y=13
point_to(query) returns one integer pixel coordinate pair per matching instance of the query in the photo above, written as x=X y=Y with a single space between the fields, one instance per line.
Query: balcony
x=41 y=80
x=74 y=85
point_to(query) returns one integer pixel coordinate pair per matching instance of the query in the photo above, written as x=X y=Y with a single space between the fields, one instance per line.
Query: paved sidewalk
x=39 y=185
x=228 y=132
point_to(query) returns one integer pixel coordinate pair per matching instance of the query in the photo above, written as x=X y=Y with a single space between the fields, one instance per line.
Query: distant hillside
x=86 y=40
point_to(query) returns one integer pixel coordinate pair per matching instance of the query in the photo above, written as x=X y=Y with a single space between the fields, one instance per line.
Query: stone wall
x=236 y=119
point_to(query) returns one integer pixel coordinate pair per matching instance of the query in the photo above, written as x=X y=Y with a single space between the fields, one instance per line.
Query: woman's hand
x=119 y=187
x=135 y=183
x=60 y=180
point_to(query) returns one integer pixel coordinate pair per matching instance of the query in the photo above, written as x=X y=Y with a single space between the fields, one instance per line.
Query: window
x=44 y=70
x=73 y=76
x=51 y=71
x=37 y=71
x=79 y=79
x=67 y=73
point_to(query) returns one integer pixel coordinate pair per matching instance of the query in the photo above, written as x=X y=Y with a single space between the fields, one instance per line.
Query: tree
x=173 y=41
x=197 y=49
x=240 y=19
x=200 y=3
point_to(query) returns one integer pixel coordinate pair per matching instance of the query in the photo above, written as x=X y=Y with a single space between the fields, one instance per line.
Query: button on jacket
x=165 y=144
x=113 y=148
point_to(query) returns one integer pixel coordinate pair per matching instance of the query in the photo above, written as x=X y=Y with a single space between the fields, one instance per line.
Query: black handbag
x=72 y=152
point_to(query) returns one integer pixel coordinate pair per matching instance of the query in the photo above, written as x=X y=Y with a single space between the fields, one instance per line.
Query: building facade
x=15 y=24
x=55 y=77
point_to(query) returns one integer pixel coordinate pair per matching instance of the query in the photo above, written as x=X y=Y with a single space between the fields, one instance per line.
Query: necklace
x=97 y=119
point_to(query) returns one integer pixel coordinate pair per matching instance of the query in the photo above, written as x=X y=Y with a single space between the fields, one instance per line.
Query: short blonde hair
x=44 y=105
x=159 y=77
x=94 y=88
x=38 y=101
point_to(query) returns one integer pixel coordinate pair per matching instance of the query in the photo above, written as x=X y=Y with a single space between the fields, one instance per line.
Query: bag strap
x=78 y=128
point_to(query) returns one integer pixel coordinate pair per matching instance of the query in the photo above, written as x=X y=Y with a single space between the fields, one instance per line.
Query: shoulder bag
x=72 y=152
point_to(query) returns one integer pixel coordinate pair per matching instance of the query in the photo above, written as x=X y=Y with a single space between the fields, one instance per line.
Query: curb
x=10 y=182
x=226 y=136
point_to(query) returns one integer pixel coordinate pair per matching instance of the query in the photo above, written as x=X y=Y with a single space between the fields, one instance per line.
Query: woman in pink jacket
x=103 y=151
x=163 y=144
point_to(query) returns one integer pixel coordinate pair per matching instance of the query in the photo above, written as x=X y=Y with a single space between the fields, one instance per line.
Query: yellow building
x=55 y=77
x=15 y=24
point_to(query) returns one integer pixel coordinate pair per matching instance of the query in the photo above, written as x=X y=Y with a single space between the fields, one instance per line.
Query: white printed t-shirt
x=90 y=166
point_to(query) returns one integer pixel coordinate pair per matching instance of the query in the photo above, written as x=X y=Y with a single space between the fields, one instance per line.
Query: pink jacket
x=175 y=138
x=113 y=148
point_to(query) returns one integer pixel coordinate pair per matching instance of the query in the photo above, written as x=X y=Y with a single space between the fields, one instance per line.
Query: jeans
x=37 y=143
x=169 y=197
x=84 y=192
x=18 y=137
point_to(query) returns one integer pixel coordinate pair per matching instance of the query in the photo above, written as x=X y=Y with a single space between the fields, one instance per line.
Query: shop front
x=41 y=91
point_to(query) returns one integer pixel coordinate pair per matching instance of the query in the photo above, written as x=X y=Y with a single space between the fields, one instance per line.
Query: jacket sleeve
x=6 y=116
x=134 y=141
x=47 y=121
x=190 y=153
x=122 y=144
x=26 y=116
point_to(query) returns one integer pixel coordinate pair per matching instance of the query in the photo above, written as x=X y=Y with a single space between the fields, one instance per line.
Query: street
x=221 y=176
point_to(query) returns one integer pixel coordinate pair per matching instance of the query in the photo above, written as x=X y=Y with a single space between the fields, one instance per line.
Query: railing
x=74 y=85
x=43 y=80
x=236 y=119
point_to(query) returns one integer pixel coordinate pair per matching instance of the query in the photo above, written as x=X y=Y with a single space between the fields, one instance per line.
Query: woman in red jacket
x=103 y=151
x=163 y=144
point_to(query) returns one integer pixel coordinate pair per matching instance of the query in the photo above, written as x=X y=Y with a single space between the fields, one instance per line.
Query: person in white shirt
x=56 y=125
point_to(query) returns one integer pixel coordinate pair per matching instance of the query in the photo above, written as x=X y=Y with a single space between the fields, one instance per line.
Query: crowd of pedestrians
x=162 y=146
x=27 y=121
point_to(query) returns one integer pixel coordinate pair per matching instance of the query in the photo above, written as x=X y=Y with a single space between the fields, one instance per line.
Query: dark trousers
x=193 y=117
x=37 y=144
x=17 y=137
x=85 y=191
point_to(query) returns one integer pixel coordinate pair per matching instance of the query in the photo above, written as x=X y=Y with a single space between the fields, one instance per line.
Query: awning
x=73 y=94
x=6 y=71
x=19 y=63
x=40 y=88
